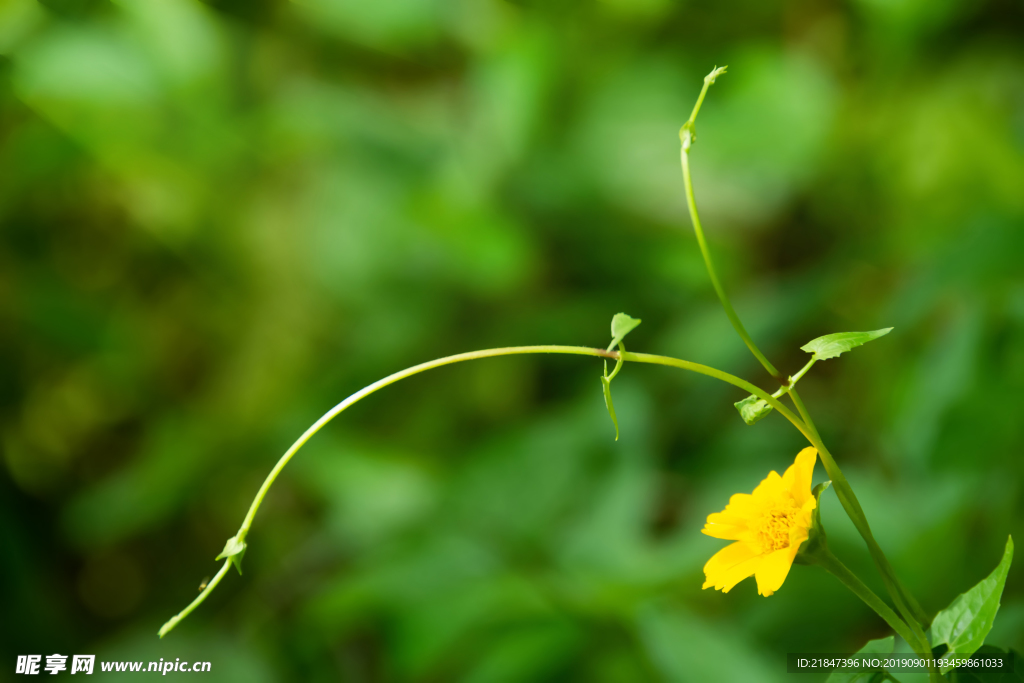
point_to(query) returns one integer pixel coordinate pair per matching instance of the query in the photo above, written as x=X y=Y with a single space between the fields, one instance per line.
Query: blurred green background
x=220 y=218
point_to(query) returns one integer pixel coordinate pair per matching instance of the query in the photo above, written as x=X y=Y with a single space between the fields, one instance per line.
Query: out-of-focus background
x=220 y=218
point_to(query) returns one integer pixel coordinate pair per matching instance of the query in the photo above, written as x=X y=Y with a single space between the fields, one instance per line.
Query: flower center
x=773 y=532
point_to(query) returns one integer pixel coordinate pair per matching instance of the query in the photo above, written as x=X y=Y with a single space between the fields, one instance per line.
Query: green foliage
x=752 y=409
x=880 y=646
x=816 y=525
x=622 y=325
x=969 y=674
x=606 y=386
x=219 y=218
x=235 y=550
x=964 y=625
x=833 y=345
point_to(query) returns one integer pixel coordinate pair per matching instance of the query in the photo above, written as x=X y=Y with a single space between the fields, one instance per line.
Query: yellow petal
x=797 y=535
x=729 y=517
x=769 y=489
x=742 y=505
x=797 y=479
x=728 y=532
x=730 y=565
x=803 y=518
x=773 y=569
x=730 y=578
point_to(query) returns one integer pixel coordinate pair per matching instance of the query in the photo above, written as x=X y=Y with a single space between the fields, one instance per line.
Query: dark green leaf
x=881 y=646
x=975 y=674
x=968 y=619
x=752 y=409
x=832 y=345
x=622 y=325
x=607 y=386
x=234 y=549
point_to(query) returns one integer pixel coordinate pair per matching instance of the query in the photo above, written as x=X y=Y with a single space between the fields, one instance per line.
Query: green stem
x=173 y=621
x=785 y=388
x=709 y=80
x=618 y=363
x=849 y=501
x=917 y=641
x=729 y=311
x=725 y=377
x=843 y=490
x=830 y=563
x=472 y=355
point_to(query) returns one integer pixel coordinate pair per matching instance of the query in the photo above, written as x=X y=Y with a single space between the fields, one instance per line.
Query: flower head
x=768 y=526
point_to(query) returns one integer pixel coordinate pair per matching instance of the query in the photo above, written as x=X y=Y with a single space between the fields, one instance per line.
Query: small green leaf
x=234 y=549
x=607 y=386
x=816 y=515
x=622 y=325
x=968 y=619
x=832 y=345
x=752 y=409
x=882 y=646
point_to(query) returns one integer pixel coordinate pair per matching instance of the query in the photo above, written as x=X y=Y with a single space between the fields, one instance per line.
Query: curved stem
x=725 y=377
x=448 y=360
x=737 y=324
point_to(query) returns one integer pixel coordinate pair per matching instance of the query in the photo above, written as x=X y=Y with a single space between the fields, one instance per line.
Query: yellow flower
x=768 y=527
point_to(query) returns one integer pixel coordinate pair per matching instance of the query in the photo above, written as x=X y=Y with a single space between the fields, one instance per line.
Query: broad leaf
x=882 y=646
x=622 y=325
x=607 y=386
x=832 y=345
x=235 y=551
x=752 y=409
x=964 y=624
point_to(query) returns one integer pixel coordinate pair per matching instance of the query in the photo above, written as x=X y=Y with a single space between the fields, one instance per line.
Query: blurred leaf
x=622 y=325
x=753 y=409
x=833 y=345
x=968 y=619
x=881 y=646
x=686 y=648
x=18 y=19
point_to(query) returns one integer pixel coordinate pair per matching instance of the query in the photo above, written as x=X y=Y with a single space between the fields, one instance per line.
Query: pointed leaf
x=752 y=409
x=882 y=646
x=622 y=325
x=832 y=345
x=816 y=515
x=607 y=386
x=235 y=551
x=968 y=619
